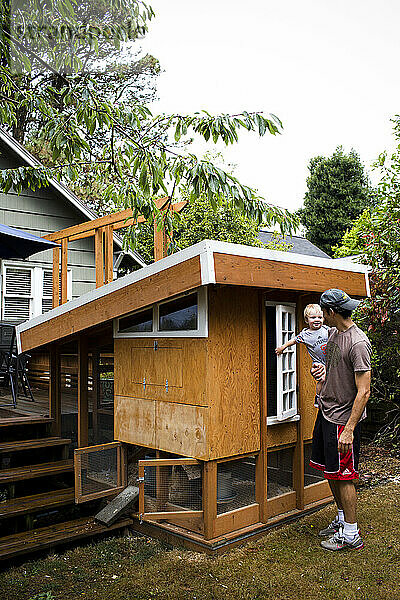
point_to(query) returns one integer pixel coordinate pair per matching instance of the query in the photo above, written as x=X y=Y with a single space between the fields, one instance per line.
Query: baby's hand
x=318 y=371
x=279 y=350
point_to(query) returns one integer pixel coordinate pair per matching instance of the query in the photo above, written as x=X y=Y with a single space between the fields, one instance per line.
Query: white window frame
x=36 y=296
x=202 y=319
x=282 y=414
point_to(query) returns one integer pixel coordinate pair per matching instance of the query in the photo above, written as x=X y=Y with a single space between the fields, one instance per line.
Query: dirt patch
x=378 y=465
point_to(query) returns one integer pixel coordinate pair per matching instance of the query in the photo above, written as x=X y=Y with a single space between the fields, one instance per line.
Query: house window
x=27 y=291
x=281 y=370
x=185 y=316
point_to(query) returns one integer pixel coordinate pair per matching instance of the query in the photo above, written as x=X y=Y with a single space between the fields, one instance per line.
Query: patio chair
x=13 y=367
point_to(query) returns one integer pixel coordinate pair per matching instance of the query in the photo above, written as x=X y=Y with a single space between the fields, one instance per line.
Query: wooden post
x=64 y=273
x=209 y=497
x=108 y=268
x=83 y=405
x=298 y=455
x=56 y=276
x=99 y=256
x=95 y=393
x=55 y=389
x=160 y=243
x=262 y=465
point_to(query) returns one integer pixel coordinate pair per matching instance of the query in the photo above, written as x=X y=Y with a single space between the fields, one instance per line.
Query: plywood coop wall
x=210 y=407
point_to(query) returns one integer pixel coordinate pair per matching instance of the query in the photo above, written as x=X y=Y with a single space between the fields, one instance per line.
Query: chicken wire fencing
x=99 y=471
x=280 y=472
x=311 y=475
x=172 y=488
x=236 y=484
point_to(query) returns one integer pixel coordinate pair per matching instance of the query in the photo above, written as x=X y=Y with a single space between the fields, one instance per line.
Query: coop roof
x=207 y=262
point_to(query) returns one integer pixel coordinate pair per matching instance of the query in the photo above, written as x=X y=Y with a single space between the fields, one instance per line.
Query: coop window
x=281 y=370
x=139 y=322
x=311 y=475
x=185 y=316
x=178 y=315
x=236 y=484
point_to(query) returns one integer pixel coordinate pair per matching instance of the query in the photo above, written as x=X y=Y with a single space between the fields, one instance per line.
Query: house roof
x=62 y=189
x=298 y=244
x=204 y=263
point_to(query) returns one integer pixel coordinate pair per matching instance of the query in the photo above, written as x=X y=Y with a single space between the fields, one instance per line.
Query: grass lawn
x=284 y=564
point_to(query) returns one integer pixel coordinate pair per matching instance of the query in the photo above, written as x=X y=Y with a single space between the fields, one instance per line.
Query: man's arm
x=363 y=383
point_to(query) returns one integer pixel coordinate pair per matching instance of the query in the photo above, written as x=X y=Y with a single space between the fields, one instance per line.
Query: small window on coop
x=281 y=370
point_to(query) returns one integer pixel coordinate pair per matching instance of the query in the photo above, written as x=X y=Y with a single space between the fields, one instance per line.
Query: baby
x=314 y=337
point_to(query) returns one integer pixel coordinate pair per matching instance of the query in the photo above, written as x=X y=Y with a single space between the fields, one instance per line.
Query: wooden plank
x=169 y=282
x=25 y=420
x=209 y=497
x=55 y=388
x=281 y=504
x=34 y=471
x=78 y=476
x=261 y=464
x=233 y=372
x=141 y=490
x=182 y=429
x=88 y=449
x=161 y=516
x=236 y=519
x=64 y=272
x=113 y=491
x=31 y=504
x=21 y=445
x=99 y=256
x=258 y=272
x=108 y=255
x=83 y=405
x=167 y=462
x=317 y=491
x=160 y=243
x=183 y=362
x=56 y=277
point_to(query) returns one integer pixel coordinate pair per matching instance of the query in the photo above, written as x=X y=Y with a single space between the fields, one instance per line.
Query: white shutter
x=17 y=294
x=286 y=363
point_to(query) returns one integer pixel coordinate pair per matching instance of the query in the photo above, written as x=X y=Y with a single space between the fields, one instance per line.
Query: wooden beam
x=83 y=405
x=108 y=254
x=55 y=389
x=160 y=243
x=56 y=276
x=209 y=497
x=99 y=256
x=89 y=226
x=64 y=271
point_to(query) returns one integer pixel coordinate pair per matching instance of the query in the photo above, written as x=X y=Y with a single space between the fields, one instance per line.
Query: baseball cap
x=334 y=298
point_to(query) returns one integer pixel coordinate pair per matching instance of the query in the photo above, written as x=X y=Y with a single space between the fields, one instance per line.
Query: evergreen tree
x=338 y=192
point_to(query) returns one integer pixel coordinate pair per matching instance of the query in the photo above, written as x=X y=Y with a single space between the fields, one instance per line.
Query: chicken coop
x=212 y=426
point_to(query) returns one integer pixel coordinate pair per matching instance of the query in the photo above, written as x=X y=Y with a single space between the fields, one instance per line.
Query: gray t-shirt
x=315 y=341
x=347 y=352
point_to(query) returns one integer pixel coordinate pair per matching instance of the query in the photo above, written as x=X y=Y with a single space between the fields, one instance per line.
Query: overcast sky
x=328 y=69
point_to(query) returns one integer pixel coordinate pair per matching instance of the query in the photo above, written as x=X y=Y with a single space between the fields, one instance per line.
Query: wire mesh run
x=172 y=488
x=236 y=484
x=311 y=475
x=99 y=471
x=280 y=472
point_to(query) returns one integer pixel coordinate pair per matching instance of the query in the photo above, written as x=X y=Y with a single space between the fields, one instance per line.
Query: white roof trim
x=205 y=250
x=62 y=189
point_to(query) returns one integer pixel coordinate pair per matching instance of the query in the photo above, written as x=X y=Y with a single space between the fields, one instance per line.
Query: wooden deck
x=37 y=409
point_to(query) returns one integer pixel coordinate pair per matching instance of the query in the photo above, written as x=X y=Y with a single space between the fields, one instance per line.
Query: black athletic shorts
x=325 y=455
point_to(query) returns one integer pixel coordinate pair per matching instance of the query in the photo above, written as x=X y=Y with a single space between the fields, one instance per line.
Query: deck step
x=24 y=420
x=33 y=471
x=33 y=444
x=45 y=537
x=38 y=502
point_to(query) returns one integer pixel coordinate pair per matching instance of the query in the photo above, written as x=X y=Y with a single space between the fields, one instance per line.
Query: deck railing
x=102 y=230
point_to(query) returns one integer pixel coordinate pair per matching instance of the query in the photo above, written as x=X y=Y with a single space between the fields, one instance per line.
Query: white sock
x=350 y=530
x=340 y=516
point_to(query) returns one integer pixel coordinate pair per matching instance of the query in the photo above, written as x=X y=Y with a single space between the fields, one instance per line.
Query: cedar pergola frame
x=102 y=229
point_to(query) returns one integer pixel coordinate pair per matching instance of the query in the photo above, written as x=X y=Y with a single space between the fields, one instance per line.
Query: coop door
x=170 y=489
x=99 y=471
x=286 y=363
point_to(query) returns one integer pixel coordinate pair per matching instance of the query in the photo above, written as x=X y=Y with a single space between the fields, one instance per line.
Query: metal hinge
x=144 y=383
x=155 y=345
x=166 y=385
